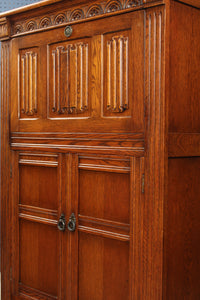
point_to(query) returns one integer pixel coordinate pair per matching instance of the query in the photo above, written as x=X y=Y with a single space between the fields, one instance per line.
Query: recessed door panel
x=38 y=186
x=103 y=228
x=37 y=243
x=104 y=195
x=38 y=252
x=106 y=263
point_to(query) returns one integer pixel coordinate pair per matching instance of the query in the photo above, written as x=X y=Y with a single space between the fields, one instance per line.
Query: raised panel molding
x=28 y=83
x=70 y=79
x=117 y=74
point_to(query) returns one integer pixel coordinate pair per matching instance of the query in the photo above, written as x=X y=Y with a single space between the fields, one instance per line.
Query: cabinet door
x=104 y=194
x=38 y=256
x=93 y=258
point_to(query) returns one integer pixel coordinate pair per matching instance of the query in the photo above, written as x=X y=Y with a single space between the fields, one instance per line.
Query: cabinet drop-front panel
x=78 y=83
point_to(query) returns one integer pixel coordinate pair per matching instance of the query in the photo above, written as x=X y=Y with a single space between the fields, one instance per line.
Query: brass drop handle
x=72 y=223
x=61 y=223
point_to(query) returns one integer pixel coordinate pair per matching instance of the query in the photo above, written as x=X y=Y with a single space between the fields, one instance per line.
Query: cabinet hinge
x=10 y=171
x=142 y=183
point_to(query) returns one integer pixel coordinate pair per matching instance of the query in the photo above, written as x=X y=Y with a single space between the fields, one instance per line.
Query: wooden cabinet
x=100 y=151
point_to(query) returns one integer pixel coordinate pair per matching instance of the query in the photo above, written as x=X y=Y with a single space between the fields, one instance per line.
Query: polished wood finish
x=194 y=3
x=183 y=144
x=183 y=229
x=184 y=106
x=103 y=124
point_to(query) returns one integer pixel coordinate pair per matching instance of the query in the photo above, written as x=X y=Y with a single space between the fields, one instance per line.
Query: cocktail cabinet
x=100 y=150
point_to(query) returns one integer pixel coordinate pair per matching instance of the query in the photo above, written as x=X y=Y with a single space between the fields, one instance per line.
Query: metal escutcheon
x=72 y=223
x=68 y=31
x=61 y=223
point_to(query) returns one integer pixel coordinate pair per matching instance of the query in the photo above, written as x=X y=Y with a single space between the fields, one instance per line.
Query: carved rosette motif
x=18 y=29
x=132 y=3
x=60 y=19
x=77 y=14
x=27 y=81
x=31 y=25
x=117 y=74
x=94 y=10
x=70 y=79
x=45 y=22
x=113 y=6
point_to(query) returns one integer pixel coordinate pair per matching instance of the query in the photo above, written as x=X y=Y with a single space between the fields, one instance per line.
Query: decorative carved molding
x=79 y=13
x=18 y=29
x=132 y=3
x=4 y=29
x=94 y=10
x=117 y=74
x=45 y=22
x=113 y=6
x=31 y=25
x=59 y=19
x=70 y=79
x=28 y=76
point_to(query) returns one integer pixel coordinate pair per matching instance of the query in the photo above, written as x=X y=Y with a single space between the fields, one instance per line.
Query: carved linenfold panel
x=69 y=75
x=117 y=74
x=28 y=81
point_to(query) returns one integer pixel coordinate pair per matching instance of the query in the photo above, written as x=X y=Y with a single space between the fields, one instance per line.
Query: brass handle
x=72 y=223
x=61 y=223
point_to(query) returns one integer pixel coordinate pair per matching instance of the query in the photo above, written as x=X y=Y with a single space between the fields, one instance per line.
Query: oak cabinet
x=91 y=151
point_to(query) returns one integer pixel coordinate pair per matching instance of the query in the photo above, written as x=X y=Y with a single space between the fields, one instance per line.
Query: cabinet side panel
x=184 y=104
x=5 y=174
x=182 y=230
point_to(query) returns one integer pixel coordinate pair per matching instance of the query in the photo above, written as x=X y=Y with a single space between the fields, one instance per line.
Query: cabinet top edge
x=51 y=3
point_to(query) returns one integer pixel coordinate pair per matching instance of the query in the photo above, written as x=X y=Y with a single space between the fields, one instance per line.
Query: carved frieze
x=78 y=13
